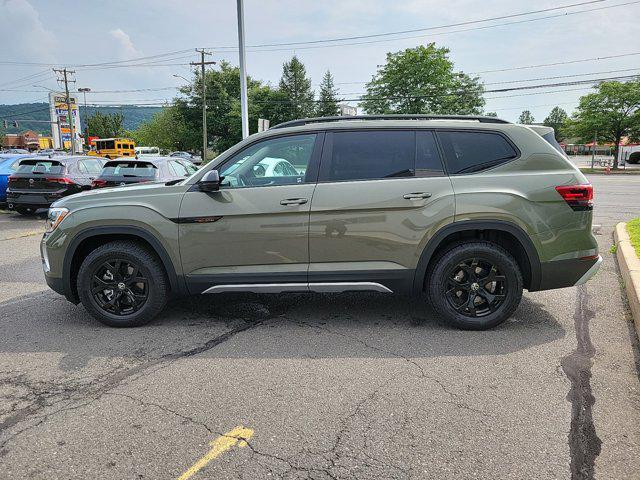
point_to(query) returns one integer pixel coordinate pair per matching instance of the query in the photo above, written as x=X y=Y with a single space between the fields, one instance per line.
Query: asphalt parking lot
x=323 y=386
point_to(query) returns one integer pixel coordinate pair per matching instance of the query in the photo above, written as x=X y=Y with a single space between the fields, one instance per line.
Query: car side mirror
x=210 y=182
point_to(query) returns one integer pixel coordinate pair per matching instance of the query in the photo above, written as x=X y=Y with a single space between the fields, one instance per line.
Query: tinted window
x=368 y=155
x=428 y=163
x=551 y=140
x=467 y=152
x=129 y=169
x=41 y=166
x=277 y=161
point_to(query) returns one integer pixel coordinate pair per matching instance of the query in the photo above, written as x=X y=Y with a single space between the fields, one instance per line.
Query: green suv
x=465 y=210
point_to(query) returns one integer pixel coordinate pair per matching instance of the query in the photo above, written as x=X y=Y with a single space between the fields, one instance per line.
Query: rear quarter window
x=469 y=151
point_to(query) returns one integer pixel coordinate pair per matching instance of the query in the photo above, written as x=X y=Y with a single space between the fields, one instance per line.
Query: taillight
x=12 y=179
x=578 y=197
x=98 y=183
x=63 y=180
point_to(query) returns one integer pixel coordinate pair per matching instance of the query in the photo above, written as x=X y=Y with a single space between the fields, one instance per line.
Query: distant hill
x=23 y=112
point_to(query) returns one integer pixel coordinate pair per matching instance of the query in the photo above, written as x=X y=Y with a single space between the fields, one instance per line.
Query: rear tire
x=475 y=285
x=122 y=284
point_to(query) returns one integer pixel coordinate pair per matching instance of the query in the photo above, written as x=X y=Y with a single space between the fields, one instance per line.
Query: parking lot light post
x=84 y=91
x=244 y=106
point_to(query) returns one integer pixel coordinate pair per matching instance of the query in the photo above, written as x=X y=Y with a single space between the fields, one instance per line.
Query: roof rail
x=409 y=116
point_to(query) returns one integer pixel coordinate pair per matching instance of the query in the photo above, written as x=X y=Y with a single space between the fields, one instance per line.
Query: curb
x=630 y=269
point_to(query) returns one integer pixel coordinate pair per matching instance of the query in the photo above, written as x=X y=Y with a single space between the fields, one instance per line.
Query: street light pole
x=244 y=105
x=84 y=91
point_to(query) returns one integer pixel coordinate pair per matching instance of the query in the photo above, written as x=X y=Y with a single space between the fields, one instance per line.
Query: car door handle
x=293 y=201
x=416 y=195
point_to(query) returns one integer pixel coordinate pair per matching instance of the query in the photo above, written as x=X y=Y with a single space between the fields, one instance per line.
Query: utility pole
x=84 y=91
x=244 y=105
x=65 y=73
x=202 y=64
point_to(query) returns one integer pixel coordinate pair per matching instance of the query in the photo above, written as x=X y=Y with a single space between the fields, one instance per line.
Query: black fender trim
x=466 y=225
x=176 y=282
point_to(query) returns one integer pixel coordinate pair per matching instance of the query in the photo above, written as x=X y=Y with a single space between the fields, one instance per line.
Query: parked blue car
x=8 y=165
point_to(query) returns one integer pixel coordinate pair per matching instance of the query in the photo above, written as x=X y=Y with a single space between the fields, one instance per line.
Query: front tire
x=26 y=211
x=122 y=284
x=475 y=285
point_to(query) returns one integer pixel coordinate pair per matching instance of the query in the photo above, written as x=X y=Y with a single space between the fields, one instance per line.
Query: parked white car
x=147 y=151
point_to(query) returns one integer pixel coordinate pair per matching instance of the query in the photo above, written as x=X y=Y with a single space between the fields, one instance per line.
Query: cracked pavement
x=351 y=386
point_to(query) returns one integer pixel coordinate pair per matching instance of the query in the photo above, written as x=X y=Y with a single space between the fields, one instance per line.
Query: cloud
x=22 y=30
x=127 y=48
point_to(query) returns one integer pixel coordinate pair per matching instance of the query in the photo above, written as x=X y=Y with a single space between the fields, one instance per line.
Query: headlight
x=55 y=216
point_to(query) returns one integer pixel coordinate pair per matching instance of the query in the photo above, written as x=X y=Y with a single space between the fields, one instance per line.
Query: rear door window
x=367 y=155
x=469 y=151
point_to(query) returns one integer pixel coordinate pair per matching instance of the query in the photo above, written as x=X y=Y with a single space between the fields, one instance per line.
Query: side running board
x=300 y=287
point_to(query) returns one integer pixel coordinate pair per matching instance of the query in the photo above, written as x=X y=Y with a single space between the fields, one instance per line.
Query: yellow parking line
x=238 y=435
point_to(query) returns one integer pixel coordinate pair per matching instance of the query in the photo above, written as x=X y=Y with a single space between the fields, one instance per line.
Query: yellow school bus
x=113 y=147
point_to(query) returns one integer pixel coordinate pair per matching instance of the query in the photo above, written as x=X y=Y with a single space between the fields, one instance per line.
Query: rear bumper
x=591 y=272
x=30 y=200
x=567 y=273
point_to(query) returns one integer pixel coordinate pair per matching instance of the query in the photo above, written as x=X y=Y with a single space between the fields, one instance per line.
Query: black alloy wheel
x=123 y=284
x=476 y=287
x=119 y=287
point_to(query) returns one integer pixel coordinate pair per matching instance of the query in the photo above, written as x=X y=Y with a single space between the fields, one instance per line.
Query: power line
x=555 y=64
x=81 y=65
x=562 y=76
x=19 y=114
x=438 y=33
x=415 y=30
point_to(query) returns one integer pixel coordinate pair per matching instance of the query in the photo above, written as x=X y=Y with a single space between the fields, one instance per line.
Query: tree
x=526 y=118
x=557 y=119
x=422 y=80
x=612 y=113
x=106 y=125
x=167 y=130
x=224 y=127
x=328 y=97
x=297 y=89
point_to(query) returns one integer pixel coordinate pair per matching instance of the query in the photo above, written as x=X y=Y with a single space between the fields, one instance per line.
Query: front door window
x=277 y=161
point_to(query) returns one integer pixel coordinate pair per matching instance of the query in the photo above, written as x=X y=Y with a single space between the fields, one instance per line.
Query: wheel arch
x=87 y=240
x=504 y=233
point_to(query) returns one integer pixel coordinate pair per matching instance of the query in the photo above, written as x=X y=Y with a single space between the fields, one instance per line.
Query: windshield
x=130 y=169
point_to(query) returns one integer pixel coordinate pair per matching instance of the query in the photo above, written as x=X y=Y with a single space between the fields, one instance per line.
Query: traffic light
x=15 y=123
x=5 y=124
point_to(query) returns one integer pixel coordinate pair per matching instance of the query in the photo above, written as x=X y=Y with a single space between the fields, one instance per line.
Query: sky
x=38 y=34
